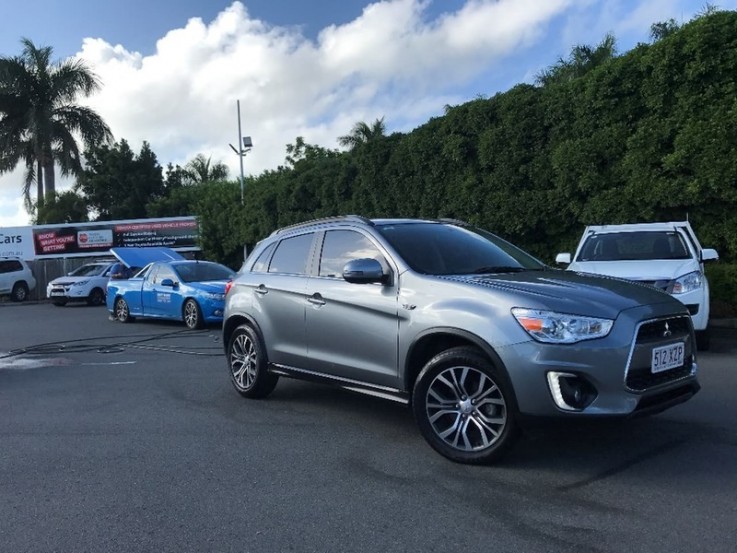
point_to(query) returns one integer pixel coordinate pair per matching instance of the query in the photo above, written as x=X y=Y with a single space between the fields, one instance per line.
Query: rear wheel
x=463 y=407
x=20 y=292
x=247 y=364
x=96 y=297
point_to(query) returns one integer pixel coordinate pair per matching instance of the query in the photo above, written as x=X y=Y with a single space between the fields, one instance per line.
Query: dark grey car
x=470 y=330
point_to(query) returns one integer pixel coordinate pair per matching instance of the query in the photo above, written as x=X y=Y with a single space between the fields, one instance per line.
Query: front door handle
x=316 y=299
x=262 y=290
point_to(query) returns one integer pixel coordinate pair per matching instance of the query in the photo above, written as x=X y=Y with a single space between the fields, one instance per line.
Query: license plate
x=57 y=292
x=667 y=357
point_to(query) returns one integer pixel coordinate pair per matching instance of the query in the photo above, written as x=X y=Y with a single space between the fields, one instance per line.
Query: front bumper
x=618 y=367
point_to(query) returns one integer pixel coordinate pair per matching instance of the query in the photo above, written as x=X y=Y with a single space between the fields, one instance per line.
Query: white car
x=86 y=283
x=16 y=278
x=665 y=255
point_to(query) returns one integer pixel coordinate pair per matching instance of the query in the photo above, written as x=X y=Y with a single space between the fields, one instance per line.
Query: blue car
x=172 y=288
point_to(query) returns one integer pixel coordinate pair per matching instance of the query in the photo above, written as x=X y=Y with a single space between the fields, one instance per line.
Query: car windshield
x=201 y=271
x=633 y=246
x=88 y=270
x=445 y=249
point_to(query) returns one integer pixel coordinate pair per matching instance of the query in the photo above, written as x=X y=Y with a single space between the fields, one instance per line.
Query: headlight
x=560 y=328
x=213 y=296
x=688 y=283
x=80 y=283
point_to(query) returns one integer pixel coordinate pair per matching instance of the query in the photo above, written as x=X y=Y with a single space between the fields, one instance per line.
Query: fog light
x=571 y=392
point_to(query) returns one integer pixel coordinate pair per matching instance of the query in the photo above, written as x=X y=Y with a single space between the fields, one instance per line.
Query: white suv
x=16 y=278
x=86 y=283
x=665 y=255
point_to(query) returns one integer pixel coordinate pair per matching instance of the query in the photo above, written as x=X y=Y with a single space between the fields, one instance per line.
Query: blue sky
x=172 y=70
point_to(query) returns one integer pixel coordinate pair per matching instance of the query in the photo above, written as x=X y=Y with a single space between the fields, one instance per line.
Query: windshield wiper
x=497 y=269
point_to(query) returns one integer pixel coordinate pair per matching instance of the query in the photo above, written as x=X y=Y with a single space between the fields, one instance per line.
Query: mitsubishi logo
x=667 y=332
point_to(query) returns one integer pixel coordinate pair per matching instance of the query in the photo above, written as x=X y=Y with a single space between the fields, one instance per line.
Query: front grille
x=654 y=334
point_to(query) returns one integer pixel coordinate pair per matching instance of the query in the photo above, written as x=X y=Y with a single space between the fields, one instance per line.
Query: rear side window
x=262 y=263
x=340 y=247
x=291 y=255
x=10 y=266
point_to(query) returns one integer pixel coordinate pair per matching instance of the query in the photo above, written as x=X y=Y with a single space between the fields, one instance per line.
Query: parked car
x=86 y=283
x=16 y=278
x=665 y=255
x=176 y=289
x=470 y=330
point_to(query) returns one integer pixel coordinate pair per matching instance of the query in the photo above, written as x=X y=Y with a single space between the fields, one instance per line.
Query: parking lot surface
x=129 y=437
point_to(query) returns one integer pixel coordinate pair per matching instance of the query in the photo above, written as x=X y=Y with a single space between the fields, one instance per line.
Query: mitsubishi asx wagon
x=472 y=332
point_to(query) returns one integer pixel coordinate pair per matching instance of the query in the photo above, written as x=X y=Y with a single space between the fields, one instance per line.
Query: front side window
x=340 y=247
x=291 y=255
x=633 y=246
x=443 y=249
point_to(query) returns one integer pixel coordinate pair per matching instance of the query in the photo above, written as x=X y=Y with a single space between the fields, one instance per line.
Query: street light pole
x=240 y=146
x=244 y=146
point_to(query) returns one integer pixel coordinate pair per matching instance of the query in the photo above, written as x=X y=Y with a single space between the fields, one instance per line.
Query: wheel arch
x=233 y=322
x=436 y=340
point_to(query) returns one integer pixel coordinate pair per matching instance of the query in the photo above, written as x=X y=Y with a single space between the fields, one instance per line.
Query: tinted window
x=202 y=271
x=10 y=266
x=291 y=255
x=630 y=246
x=262 y=263
x=341 y=246
x=442 y=249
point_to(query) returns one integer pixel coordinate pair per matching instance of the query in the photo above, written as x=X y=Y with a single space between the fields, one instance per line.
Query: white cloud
x=392 y=62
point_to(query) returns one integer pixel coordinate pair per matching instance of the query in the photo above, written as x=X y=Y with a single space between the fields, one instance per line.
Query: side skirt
x=383 y=392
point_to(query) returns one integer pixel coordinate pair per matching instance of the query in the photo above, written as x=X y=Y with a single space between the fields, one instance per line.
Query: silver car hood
x=568 y=292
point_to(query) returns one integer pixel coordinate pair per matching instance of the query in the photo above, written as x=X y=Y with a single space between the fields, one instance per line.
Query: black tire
x=446 y=405
x=248 y=365
x=59 y=302
x=703 y=339
x=122 y=311
x=96 y=297
x=20 y=292
x=192 y=315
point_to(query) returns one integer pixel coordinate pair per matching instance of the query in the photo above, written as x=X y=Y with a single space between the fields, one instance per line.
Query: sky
x=173 y=70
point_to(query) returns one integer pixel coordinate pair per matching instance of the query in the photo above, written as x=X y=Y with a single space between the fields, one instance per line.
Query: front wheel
x=122 y=311
x=247 y=364
x=463 y=407
x=192 y=315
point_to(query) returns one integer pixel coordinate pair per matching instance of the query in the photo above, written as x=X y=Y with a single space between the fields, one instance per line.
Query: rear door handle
x=262 y=290
x=316 y=299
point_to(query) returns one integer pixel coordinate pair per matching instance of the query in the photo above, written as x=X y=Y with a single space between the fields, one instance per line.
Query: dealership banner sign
x=90 y=239
x=16 y=242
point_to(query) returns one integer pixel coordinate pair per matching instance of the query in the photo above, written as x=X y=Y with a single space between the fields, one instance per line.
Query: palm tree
x=199 y=170
x=363 y=133
x=582 y=59
x=39 y=119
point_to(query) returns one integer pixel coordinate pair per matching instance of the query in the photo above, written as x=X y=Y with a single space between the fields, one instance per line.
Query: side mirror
x=709 y=254
x=363 y=271
x=169 y=283
x=563 y=258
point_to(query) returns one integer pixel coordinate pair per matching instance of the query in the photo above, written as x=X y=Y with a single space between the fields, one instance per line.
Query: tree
x=363 y=133
x=582 y=59
x=63 y=207
x=119 y=184
x=39 y=119
x=662 y=29
x=199 y=170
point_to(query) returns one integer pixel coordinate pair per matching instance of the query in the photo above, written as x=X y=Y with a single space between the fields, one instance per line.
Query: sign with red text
x=84 y=239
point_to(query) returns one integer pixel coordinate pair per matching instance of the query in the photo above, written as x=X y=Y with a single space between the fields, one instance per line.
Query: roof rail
x=339 y=218
x=457 y=222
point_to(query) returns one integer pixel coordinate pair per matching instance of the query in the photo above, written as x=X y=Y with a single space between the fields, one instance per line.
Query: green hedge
x=723 y=289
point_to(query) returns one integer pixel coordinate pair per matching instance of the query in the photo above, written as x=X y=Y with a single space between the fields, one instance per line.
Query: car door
x=159 y=300
x=352 y=329
x=279 y=299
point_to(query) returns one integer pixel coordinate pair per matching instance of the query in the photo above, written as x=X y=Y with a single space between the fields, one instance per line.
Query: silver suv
x=470 y=330
x=16 y=278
